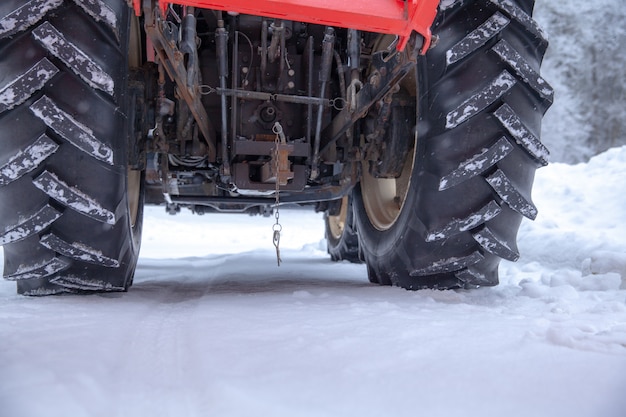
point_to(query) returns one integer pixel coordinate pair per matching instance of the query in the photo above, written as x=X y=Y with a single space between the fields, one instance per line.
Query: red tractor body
x=393 y=17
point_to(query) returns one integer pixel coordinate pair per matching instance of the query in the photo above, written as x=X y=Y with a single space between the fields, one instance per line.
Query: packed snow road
x=212 y=327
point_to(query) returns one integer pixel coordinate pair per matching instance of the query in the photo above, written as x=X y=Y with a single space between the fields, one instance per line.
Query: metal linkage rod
x=328 y=46
x=221 y=41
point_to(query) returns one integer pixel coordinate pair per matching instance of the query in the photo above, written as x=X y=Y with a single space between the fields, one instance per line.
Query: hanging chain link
x=277 y=227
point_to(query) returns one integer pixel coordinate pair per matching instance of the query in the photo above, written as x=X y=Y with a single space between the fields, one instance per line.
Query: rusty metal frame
x=386 y=75
x=172 y=60
x=394 y=17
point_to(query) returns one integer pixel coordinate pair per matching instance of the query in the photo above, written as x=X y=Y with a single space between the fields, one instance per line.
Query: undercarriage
x=248 y=106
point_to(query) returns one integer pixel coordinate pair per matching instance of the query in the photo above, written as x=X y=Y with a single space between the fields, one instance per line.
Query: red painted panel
x=396 y=17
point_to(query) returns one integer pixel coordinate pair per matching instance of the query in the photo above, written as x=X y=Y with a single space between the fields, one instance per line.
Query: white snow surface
x=213 y=327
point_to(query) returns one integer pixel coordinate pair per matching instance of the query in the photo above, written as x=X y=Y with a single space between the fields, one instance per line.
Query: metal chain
x=277 y=227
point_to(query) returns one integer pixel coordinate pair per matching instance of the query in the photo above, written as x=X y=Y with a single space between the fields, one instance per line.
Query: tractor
x=413 y=125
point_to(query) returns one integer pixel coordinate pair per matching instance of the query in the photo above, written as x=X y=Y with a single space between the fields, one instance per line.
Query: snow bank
x=580 y=226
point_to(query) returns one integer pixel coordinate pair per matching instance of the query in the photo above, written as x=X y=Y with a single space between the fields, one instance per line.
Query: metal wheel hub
x=337 y=224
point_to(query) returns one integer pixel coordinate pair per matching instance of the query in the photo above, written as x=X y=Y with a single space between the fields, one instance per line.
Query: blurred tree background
x=586 y=65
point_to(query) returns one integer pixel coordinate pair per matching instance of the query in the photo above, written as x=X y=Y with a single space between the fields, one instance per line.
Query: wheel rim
x=337 y=224
x=134 y=193
x=133 y=177
x=383 y=198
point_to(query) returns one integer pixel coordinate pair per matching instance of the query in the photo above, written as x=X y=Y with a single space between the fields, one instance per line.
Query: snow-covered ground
x=217 y=329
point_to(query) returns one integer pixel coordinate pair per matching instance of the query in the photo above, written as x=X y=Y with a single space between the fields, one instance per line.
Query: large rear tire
x=70 y=208
x=454 y=212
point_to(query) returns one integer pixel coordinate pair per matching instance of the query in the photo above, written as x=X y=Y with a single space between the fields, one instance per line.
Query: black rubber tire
x=65 y=217
x=342 y=242
x=480 y=105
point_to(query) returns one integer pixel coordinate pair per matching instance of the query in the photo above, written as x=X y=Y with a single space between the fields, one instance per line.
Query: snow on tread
x=448 y=4
x=514 y=11
x=27 y=160
x=78 y=251
x=71 y=130
x=522 y=135
x=481 y=100
x=24 y=86
x=477 y=164
x=75 y=59
x=100 y=11
x=477 y=38
x=449 y=265
x=76 y=283
x=490 y=242
x=40 y=292
x=511 y=196
x=42 y=270
x=72 y=197
x=31 y=225
x=456 y=226
x=523 y=69
x=472 y=277
x=26 y=16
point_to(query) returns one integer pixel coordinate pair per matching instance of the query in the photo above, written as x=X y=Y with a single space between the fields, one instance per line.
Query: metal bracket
x=386 y=74
x=172 y=59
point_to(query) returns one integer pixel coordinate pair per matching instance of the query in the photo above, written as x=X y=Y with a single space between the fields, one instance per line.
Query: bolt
x=374 y=79
x=268 y=114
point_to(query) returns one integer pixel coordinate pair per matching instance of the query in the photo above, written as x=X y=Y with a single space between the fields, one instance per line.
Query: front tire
x=70 y=208
x=342 y=240
x=454 y=212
